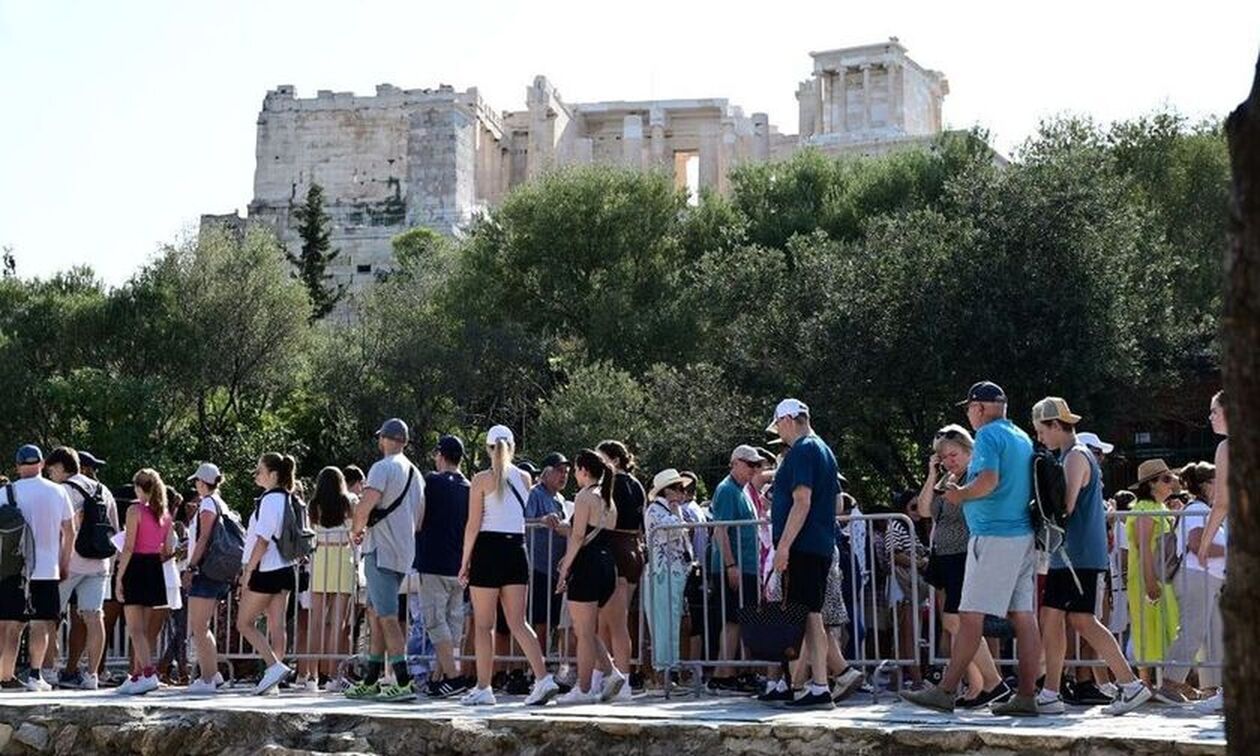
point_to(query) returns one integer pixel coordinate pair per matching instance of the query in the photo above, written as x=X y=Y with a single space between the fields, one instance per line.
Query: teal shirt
x=731 y=502
x=1005 y=449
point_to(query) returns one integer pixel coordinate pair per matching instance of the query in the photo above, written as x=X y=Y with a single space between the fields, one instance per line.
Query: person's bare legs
x=80 y=640
x=138 y=620
x=255 y=605
x=967 y=641
x=1029 y=647
x=513 y=599
x=200 y=614
x=1097 y=637
x=1054 y=641
x=585 y=618
x=614 y=625
x=10 y=637
x=38 y=644
x=485 y=603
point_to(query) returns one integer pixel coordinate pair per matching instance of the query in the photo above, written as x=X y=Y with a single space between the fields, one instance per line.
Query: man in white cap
x=803 y=519
x=389 y=512
x=734 y=560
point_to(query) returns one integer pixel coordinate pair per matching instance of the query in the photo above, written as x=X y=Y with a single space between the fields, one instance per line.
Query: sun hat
x=1149 y=470
x=664 y=479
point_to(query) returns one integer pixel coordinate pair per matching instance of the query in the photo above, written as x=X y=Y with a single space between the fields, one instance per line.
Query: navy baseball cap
x=91 y=460
x=984 y=391
x=451 y=448
x=29 y=454
x=394 y=429
x=555 y=459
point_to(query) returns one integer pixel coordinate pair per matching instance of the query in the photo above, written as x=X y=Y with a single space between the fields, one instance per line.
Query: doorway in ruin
x=687 y=174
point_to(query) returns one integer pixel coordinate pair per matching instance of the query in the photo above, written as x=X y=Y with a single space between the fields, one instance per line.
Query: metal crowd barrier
x=1200 y=648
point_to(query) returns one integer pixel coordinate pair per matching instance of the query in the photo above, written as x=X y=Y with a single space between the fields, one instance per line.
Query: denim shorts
x=205 y=588
x=89 y=591
x=382 y=587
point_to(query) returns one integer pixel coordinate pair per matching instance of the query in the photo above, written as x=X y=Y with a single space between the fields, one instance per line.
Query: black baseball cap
x=87 y=458
x=984 y=391
x=555 y=459
x=528 y=467
x=451 y=448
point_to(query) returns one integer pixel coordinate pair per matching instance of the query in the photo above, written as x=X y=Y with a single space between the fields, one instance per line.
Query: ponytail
x=283 y=465
x=618 y=454
x=500 y=459
x=150 y=484
x=600 y=471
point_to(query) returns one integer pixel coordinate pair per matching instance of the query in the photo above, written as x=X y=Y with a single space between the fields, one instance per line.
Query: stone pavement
x=234 y=722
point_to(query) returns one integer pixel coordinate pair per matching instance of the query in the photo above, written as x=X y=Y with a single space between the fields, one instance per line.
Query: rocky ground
x=168 y=723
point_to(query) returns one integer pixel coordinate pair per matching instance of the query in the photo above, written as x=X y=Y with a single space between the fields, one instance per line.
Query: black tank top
x=630 y=498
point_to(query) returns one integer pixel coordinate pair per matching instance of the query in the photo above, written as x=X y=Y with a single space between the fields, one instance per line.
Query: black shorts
x=948 y=571
x=498 y=559
x=544 y=602
x=44 y=605
x=144 y=582
x=1061 y=593
x=627 y=551
x=593 y=576
x=807 y=579
x=726 y=600
x=273 y=582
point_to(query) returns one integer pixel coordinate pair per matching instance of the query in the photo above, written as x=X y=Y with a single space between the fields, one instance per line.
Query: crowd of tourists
x=410 y=573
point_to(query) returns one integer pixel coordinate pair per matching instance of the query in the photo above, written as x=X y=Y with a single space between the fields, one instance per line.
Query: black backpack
x=93 y=540
x=1048 y=508
x=17 y=545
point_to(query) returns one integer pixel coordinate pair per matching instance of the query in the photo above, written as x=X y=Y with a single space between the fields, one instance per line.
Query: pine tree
x=312 y=262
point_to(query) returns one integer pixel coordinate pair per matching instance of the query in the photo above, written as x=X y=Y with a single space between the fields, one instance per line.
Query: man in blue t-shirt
x=1077 y=568
x=546 y=544
x=803 y=526
x=439 y=550
x=1001 y=557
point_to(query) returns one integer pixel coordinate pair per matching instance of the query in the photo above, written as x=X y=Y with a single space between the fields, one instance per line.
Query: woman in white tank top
x=496 y=569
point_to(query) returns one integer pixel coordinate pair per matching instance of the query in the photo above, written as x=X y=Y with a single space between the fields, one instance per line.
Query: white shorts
x=1001 y=575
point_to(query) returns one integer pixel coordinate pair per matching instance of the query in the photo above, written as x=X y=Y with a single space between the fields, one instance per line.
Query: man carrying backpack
x=1001 y=554
x=1078 y=565
x=386 y=519
x=96 y=517
x=29 y=577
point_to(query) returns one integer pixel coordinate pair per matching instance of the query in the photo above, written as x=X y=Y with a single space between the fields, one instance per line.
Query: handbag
x=773 y=630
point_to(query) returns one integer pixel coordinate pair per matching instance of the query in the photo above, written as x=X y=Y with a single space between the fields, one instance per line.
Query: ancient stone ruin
x=434 y=157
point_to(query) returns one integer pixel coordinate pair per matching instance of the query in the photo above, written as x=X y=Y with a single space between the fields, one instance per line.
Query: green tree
x=316 y=254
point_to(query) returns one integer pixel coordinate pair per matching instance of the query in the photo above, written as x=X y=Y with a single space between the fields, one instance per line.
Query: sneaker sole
x=610 y=694
x=847 y=691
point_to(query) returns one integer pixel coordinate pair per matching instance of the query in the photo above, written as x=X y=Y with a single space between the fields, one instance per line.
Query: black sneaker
x=518 y=684
x=809 y=700
x=498 y=681
x=723 y=685
x=450 y=687
x=1000 y=693
x=12 y=686
x=1067 y=691
x=1088 y=694
x=749 y=683
x=636 y=681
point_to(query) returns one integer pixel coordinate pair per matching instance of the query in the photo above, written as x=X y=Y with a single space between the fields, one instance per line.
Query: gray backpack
x=225 y=549
x=295 y=540
x=17 y=544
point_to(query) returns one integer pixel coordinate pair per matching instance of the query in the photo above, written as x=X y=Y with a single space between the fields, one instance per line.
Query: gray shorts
x=1001 y=575
x=90 y=590
x=442 y=608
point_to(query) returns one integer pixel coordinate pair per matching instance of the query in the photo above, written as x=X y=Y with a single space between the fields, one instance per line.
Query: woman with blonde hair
x=951 y=454
x=495 y=567
x=140 y=584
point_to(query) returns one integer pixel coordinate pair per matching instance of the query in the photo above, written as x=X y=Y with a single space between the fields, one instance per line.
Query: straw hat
x=664 y=479
x=1149 y=470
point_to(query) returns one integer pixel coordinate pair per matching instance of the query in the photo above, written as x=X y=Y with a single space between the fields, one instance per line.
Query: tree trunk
x=1240 y=601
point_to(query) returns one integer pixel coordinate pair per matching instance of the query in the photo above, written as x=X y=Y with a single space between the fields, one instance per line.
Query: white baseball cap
x=787 y=408
x=207 y=473
x=1093 y=441
x=500 y=433
x=746 y=453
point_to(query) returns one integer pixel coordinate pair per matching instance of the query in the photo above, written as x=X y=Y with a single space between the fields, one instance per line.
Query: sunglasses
x=948 y=434
x=1166 y=478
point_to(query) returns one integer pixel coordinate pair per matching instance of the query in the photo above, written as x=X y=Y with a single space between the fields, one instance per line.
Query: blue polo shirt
x=1005 y=449
x=731 y=502
x=808 y=462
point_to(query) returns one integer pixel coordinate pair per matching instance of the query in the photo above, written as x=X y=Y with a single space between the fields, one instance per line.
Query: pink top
x=151 y=532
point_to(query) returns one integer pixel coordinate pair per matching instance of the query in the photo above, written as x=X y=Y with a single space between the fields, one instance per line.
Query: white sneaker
x=845 y=684
x=307 y=685
x=1109 y=690
x=612 y=685
x=37 y=684
x=543 y=691
x=1214 y=704
x=1050 y=704
x=576 y=697
x=478 y=697
x=200 y=687
x=1129 y=698
x=625 y=694
x=124 y=689
x=90 y=682
x=274 y=675
x=144 y=685
x=219 y=682
x=336 y=685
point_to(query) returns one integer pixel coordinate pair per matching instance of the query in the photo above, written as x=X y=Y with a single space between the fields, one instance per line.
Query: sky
x=122 y=122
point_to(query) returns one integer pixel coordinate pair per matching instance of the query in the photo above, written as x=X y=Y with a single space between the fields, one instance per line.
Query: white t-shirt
x=81 y=565
x=45 y=505
x=265 y=523
x=1196 y=517
x=207 y=505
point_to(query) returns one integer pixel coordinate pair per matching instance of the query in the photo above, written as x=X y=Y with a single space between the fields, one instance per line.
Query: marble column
x=843 y=105
x=818 y=103
x=656 y=120
x=632 y=141
x=895 y=96
x=866 y=95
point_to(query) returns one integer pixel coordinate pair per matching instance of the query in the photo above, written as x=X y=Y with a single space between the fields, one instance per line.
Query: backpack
x=225 y=549
x=295 y=540
x=93 y=539
x=1048 y=508
x=17 y=544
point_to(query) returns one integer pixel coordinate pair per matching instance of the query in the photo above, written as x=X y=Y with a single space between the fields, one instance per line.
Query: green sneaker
x=393 y=692
x=363 y=690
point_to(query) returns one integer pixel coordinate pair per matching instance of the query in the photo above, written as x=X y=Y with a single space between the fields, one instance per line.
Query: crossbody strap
x=376 y=515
